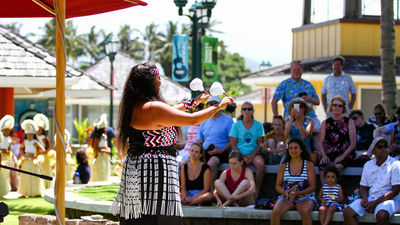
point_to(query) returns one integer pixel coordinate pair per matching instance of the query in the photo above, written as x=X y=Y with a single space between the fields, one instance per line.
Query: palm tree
x=131 y=46
x=153 y=42
x=74 y=42
x=388 y=57
x=95 y=42
x=165 y=57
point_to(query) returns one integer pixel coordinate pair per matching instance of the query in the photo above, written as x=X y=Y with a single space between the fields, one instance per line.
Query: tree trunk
x=388 y=57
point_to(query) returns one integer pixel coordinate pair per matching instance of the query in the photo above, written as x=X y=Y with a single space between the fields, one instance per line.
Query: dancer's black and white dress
x=149 y=189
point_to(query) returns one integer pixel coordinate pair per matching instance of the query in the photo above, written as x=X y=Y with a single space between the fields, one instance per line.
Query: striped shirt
x=330 y=193
x=300 y=182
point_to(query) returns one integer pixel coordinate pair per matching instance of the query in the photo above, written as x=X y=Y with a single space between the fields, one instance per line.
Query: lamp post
x=199 y=14
x=111 y=48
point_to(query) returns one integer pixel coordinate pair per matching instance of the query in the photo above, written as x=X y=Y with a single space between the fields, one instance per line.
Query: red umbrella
x=60 y=10
x=73 y=8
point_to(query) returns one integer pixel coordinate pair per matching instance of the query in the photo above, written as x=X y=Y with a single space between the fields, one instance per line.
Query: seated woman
x=295 y=182
x=337 y=138
x=301 y=126
x=236 y=185
x=101 y=163
x=196 y=178
x=395 y=138
x=274 y=141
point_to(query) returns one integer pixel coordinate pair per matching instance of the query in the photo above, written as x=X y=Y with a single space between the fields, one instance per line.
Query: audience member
x=337 y=137
x=379 y=186
x=83 y=166
x=331 y=196
x=292 y=88
x=364 y=130
x=395 y=138
x=385 y=130
x=191 y=135
x=30 y=186
x=236 y=185
x=246 y=137
x=295 y=182
x=300 y=126
x=380 y=117
x=274 y=141
x=196 y=178
x=338 y=83
x=214 y=135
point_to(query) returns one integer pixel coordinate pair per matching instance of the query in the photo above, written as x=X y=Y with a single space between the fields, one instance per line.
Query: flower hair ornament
x=154 y=71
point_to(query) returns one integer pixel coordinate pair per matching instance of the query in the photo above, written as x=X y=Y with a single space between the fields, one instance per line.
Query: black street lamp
x=112 y=48
x=199 y=14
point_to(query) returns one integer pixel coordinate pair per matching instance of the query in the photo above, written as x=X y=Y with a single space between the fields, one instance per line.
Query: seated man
x=379 y=186
x=214 y=135
x=364 y=130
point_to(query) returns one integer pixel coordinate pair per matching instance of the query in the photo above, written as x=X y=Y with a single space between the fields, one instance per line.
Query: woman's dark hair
x=236 y=155
x=305 y=155
x=140 y=87
x=81 y=157
x=44 y=132
x=202 y=152
x=241 y=114
x=332 y=169
x=98 y=132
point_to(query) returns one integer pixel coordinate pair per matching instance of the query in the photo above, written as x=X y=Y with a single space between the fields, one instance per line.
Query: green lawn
x=26 y=206
x=101 y=193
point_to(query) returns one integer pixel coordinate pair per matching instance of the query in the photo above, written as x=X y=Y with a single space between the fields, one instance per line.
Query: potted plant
x=83 y=130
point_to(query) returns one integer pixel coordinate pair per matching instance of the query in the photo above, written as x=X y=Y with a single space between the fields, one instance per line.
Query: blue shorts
x=391 y=206
x=307 y=197
x=192 y=193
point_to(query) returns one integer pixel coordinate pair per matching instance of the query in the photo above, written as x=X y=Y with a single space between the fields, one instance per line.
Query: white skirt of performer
x=30 y=186
x=100 y=168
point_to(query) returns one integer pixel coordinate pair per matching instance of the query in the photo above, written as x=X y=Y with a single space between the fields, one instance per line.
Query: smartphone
x=297 y=107
x=210 y=147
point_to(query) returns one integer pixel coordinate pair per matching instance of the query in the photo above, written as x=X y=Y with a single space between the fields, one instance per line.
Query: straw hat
x=29 y=126
x=299 y=101
x=7 y=122
x=41 y=121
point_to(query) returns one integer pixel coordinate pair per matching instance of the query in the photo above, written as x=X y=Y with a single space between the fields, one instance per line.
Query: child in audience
x=196 y=178
x=236 y=185
x=330 y=195
x=83 y=166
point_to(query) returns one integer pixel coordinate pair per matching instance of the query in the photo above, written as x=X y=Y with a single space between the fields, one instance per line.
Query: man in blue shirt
x=214 y=134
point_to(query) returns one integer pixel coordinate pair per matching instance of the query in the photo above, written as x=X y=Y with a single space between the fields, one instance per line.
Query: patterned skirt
x=149 y=186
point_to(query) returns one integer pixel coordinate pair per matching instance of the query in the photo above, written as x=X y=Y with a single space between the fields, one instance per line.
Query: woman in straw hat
x=299 y=125
x=30 y=186
x=101 y=163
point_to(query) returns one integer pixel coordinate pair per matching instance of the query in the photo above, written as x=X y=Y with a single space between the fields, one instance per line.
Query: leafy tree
x=74 y=42
x=165 y=56
x=152 y=38
x=94 y=43
x=131 y=46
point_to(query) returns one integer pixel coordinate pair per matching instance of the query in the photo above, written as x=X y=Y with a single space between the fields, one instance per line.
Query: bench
x=273 y=169
x=258 y=214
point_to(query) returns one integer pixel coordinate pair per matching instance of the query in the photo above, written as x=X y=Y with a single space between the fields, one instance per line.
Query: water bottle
x=77 y=179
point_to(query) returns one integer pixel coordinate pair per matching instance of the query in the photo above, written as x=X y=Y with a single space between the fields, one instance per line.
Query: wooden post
x=60 y=108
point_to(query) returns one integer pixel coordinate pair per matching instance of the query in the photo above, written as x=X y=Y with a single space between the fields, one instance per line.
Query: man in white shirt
x=338 y=83
x=379 y=187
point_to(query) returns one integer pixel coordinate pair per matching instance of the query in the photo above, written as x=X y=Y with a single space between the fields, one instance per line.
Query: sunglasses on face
x=354 y=117
x=378 y=114
x=249 y=109
x=337 y=105
x=381 y=146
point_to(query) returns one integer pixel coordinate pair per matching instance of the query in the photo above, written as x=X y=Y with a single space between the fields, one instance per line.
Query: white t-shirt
x=29 y=147
x=380 y=179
